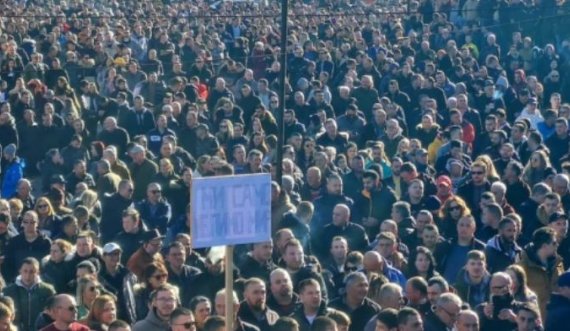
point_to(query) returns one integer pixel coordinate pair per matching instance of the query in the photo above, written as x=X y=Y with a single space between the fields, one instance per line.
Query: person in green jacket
x=29 y=294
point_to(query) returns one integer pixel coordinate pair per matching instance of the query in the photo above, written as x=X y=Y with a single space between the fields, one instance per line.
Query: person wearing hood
x=12 y=170
x=502 y=250
x=312 y=305
x=29 y=293
x=472 y=283
x=164 y=301
x=558 y=308
x=542 y=265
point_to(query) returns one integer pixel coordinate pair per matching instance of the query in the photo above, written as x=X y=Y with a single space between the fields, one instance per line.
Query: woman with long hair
x=103 y=312
x=6 y=318
x=537 y=168
x=453 y=209
x=258 y=142
x=521 y=291
x=49 y=222
x=225 y=132
x=492 y=174
x=154 y=275
x=305 y=157
x=423 y=264
x=88 y=289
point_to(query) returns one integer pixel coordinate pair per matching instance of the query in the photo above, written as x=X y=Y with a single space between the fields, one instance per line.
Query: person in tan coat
x=147 y=254
x=542 y=265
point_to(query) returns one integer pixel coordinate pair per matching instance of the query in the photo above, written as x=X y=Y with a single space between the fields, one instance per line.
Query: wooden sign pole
x=229 y=267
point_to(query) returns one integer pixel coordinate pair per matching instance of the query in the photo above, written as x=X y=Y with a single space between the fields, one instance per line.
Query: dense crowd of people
x=426 y=165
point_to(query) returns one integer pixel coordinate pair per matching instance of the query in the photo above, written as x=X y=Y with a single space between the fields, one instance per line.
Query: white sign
x=231 y=210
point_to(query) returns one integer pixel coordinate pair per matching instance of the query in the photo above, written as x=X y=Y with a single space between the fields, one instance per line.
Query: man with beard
x=254 y=309
x=498 y=138
x=542 y=265
x=351 y=122
x=559 y=222
x=499 y=312
x=325 y=204
x=502 y=250
x=281 y=298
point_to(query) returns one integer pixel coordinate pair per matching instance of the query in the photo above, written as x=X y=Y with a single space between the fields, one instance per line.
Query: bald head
x=467 y=320
x=373 y=262
x=341 y=214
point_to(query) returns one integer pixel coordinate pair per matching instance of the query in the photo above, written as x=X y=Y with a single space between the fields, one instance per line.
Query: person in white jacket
x=532 y=113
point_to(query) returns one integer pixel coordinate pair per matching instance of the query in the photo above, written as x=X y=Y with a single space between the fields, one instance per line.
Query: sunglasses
x=155 y=191
x=477 y=172
x=454 y=208
x=71 y=308
x=42 y=206
x=187 y=325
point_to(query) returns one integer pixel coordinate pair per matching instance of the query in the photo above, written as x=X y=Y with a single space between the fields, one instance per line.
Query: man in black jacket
x=113 y=207
x=373 y=206
x=502 y=250
x=341 y=226
x=499 y=312
x=312 y=305
x=355 y=303
x=254 y=309
x=131 y=236
x=258 y=261
x=179 y=274
x=444 y=314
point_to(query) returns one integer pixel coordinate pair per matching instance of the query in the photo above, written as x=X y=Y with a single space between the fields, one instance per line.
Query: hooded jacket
x=542 y=279
x=28 y=301
x=151 y=323
x=498 y=259
x=474 y=294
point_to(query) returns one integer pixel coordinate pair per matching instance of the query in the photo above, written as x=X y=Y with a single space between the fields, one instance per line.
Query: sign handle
x=229 y=266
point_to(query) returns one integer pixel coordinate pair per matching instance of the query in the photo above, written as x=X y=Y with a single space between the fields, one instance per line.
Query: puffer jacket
x=542 y=279
x=28 y=301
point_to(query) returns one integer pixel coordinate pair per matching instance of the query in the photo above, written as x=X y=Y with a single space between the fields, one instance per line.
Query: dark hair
x=180 y=311
x=543 y=236
x=196 y=301
x=413 y=271
x=405 y=313
x=285 y=324
x=213 y=323
x=323 y=323
x=118 y=324
x=388 y=317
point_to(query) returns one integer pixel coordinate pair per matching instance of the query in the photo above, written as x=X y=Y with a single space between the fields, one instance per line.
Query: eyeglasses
x=498 y=288
x=452 y=208
x=42 y=206
x=155 y=191
x=160 y=277
x=187 y=325
x=478 y=172
x=353 y=268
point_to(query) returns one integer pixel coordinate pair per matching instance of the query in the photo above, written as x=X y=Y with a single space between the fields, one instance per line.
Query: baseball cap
x=444 y=180
x=111 y=247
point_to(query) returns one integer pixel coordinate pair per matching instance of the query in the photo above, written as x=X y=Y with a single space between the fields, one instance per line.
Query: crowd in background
x=426 y=165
